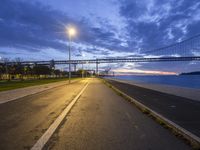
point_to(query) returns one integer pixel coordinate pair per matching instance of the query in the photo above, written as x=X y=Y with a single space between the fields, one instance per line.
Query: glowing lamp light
x=71 y=31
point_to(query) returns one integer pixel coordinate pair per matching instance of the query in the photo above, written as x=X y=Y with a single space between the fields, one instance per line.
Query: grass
x=10 y=85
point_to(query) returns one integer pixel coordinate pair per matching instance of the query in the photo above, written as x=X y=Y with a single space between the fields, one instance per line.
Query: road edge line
x=49 y=132
x=193 y=140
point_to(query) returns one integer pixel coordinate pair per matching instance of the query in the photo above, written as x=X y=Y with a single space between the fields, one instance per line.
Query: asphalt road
x=23 y=121
x=103 y=120
x=183 y=111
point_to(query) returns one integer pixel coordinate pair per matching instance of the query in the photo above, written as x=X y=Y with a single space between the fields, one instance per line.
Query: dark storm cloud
x=149 y=24
x=32 y=26
x=100 y=37
x=157 y=23
x=160 y=22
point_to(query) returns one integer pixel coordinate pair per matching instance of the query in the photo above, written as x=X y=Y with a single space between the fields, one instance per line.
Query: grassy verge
x=10 y=85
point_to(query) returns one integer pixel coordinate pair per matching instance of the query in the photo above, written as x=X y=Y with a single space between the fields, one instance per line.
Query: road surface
x=99 y=120
x=103 y=120
x=24 y=120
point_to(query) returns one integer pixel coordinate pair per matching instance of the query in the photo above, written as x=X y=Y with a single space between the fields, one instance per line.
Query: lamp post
x=71 y=32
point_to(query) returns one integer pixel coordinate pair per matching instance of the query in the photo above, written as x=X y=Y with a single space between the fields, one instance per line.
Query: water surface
x=189 y=81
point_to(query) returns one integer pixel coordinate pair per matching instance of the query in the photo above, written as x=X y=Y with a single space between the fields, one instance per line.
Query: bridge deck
x=106 y=60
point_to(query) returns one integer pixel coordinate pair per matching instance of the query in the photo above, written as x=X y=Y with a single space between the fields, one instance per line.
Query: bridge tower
x=97 y=67
x=52 y=64
x=75 y=67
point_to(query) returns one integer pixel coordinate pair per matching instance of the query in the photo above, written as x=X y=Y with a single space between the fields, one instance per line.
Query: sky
x=36 y=30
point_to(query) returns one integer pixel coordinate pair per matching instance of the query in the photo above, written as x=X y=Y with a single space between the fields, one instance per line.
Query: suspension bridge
x=186 y=50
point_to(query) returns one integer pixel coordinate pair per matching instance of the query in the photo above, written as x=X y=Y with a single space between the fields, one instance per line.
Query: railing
x=107 y=60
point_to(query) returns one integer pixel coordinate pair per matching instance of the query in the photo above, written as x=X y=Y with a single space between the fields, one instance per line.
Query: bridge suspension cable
x=186 y=48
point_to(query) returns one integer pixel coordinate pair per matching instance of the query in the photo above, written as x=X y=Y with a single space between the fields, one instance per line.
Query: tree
x=28 y=70
x=2 y=70
x=7 y=72
x=41 y=70
x=57 y=72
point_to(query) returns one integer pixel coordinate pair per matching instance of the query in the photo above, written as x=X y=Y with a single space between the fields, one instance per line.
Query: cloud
x=30 y=26
x=34 y=27
x=137 y=71
x=149 y=24
x=158 y=23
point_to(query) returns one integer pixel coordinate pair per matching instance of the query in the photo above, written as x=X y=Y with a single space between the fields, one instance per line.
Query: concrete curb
x=184 y=134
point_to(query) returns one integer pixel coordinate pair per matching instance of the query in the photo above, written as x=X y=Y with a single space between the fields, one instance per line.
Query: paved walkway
x=103 y=120
x=11 y=95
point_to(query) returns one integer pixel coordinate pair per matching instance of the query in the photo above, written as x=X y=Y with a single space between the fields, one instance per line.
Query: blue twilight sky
x=35 y=30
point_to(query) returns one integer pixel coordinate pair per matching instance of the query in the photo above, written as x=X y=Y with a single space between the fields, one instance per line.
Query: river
x=188 y=81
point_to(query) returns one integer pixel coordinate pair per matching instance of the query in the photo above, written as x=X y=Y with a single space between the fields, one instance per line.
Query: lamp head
x=71 y=31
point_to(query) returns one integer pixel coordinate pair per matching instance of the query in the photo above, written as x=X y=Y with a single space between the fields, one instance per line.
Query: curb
x=184 y=134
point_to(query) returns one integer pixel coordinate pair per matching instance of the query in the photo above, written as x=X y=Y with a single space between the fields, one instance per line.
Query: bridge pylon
x=75 y=67
x=97 y=67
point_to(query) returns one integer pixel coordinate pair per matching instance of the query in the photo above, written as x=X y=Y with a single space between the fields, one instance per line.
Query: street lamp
x=71 y=31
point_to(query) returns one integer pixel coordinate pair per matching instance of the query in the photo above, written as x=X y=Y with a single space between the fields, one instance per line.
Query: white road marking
x=46 y=136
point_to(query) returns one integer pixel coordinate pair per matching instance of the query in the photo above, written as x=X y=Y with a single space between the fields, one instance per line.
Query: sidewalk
x=11 y=95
